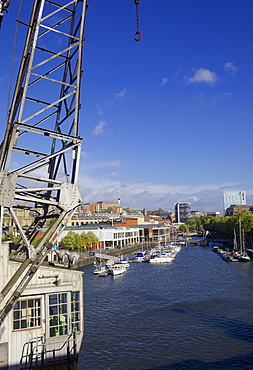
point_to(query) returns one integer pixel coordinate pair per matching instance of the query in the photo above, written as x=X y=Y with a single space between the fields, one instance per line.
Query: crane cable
x=138 y=33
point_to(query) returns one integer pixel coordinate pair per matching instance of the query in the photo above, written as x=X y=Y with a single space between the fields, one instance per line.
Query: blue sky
x=167 y=119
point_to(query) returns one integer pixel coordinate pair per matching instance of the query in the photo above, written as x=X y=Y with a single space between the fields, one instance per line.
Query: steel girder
x=40 y=152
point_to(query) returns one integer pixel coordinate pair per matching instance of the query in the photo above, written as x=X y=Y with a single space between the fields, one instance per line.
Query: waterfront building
x=197 y=214
x=182 y=212
x=103 y=207
x=215 y=214
x=237 y=208
x=103 y=220
x=109 y=237
x=233 y=198
x=113 y=237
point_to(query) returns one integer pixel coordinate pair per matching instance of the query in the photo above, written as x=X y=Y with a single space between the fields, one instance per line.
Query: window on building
x=75 y=311
x=58 y=323
x=27 y=314
x=63 y=306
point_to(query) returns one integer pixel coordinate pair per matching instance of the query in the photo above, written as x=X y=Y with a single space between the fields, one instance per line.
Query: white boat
x=161 y=258
x=176 y=248
x=140 y=257
x=104 y=273
x=99 y=270
x=243 y=257
x=125 y=262
x=240 y=254
x=117 y=269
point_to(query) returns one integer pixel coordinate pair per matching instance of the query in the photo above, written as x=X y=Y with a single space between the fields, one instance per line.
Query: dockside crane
x=42 y=131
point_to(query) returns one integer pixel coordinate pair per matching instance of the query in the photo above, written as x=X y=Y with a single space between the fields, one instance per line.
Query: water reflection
x=193 y=313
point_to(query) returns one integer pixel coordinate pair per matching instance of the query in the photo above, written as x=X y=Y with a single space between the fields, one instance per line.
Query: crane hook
x=139 y=35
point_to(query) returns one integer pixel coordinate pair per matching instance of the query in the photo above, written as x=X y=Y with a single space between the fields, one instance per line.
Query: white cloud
x=112 y=175
x=116 y=96
x=176 y=73
x=200 y=97
x=116 y=164
x=229 y=94
x=206 y=197
x=109 y=102
x=164 y=81
x=99 y=129
x=121 y=94
x=230 y=68
x=203 y=75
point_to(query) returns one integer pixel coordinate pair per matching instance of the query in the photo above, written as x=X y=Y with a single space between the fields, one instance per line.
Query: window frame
x=27 y=311
x=63 y=313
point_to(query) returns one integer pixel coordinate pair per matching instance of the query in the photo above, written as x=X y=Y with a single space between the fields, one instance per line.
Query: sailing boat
x=240 y=254
x=235 y=253
x=100 y=269
x=243 y=255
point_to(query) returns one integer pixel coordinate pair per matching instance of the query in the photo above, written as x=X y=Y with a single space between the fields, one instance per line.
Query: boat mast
x=235 y=241
x=240 y=233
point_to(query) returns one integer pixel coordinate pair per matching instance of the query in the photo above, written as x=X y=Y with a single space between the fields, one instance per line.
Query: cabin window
x=75 y=311
x=58 y=314
x=27 y=314
x=64 y=308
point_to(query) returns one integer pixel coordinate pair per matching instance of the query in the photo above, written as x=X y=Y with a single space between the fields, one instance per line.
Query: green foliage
x=92 y=238
x=156 y=212
x=195 y=223
x=78 y=241
x=183 y=228
x=15 y=239
x=69 y=240
x=37 y=240
x=224 y=225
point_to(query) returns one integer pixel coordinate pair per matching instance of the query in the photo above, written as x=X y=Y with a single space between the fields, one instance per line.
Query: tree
x=194 y=223
x=15 y=239
x=69 y=240
x=77 y=241
x=159 y=211
x=92 y=238
x=183 y=228
x=229 y=225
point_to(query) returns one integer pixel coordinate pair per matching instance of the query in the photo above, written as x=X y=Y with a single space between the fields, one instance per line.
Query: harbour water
x=193 y=313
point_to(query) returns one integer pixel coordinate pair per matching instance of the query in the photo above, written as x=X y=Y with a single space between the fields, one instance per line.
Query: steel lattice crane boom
x=42 y=129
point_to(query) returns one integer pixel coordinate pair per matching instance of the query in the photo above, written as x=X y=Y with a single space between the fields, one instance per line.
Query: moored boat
x=99 y=269
x=140 y=257
x=161 y=258
x=104 y=273
x=243 y=257
x=117 y=269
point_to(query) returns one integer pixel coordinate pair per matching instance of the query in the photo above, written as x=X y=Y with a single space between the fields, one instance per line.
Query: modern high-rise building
x=182 y=212
x=233 y=198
